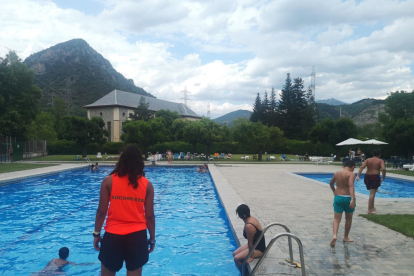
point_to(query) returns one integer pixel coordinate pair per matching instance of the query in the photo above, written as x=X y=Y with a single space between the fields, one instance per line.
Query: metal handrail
x=260 y=237
x=289 y=235
x=87 y=159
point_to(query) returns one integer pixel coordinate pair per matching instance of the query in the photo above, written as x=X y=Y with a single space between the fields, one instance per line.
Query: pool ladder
x=87 y=160
x=272 y=241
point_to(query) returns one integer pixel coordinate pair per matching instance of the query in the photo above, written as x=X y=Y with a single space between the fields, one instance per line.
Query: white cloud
x=359 y=49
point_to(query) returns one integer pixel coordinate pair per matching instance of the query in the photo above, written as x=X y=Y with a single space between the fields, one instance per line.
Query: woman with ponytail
x=251 y=232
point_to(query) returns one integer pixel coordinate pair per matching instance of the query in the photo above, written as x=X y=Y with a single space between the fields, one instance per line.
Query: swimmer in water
x=55 y=266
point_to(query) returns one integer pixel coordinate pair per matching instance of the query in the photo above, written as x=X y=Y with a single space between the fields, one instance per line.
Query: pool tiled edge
x=17 y=176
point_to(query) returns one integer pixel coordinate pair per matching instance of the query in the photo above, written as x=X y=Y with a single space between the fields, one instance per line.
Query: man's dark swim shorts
x=372 y=181
x=133 y=248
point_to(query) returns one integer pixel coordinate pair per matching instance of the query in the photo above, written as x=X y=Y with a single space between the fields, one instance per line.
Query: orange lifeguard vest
x=126 y=212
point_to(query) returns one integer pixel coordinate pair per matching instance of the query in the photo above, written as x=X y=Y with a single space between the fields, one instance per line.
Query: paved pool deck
x=275 y=195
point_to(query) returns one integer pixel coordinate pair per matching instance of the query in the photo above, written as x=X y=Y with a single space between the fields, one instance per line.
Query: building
x=115 y=107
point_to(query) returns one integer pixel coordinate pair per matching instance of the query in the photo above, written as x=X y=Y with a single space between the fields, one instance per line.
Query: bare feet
x=333 y=241
x=348 y=239
x=372 y=213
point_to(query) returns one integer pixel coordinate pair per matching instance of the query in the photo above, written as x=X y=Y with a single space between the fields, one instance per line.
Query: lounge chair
x=196 y=155
x=202 y=156
x=229 y=156
x=284 y=158
x=272 y=158
x=98 y=155
x=245 y=157
x=210 y=158
x=216 y=155
x=176 y=156
x=182 y=155
x=112 y=156
x=222 y=155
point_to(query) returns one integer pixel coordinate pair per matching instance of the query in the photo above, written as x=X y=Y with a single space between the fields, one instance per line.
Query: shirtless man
x=55 y=266
x=372 y=177
x=344 y=199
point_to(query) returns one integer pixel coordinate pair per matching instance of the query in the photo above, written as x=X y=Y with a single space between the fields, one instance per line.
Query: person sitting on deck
x=252 y=231
x=306 y=157
x=229 y=155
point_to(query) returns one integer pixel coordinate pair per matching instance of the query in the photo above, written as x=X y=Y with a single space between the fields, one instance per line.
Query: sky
x=225 y=52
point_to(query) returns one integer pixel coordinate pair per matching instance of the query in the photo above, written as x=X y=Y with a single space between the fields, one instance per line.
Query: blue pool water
x=42 y=214
x=390 y=188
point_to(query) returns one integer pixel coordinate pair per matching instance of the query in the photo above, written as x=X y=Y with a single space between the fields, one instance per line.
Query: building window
x=100 y=114
x=108 y=128
x=123 y=114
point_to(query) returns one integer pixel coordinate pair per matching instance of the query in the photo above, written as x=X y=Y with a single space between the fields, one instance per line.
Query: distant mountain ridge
x=361 y=112
x=76 y=73
x=331 y=101
x=230 y=117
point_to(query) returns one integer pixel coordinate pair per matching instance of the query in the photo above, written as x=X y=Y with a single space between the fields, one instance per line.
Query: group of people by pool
x=344 y=192
x=127 y=202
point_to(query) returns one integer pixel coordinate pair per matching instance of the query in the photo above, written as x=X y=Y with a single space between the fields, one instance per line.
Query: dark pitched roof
x=131 y=100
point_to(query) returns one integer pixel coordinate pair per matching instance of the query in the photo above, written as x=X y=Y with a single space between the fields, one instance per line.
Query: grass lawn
x=409 y=173
x=400 y=223
x=12 y=167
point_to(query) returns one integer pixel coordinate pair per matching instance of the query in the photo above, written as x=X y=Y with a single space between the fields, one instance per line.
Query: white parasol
x=350 y=141
x=374 y=142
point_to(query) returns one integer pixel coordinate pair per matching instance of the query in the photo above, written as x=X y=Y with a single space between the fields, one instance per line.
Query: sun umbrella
x=350 y=141
x=374 y=142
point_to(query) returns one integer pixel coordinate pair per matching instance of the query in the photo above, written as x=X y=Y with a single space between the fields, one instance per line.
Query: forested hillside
x=76 y=73
x=228 y=118
x=362 y=112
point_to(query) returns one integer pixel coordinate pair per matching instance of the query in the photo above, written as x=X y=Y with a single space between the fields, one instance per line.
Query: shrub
x=70 y=147
x=113 y=147
x=173 y=146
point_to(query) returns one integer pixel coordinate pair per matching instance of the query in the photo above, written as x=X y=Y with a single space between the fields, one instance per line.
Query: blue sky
x=225 y=52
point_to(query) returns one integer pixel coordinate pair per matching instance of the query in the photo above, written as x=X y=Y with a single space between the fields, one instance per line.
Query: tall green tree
x=211 y=133
x=145 y=133
x=398 y=122
x=193 y=133
x=168 y=116
x=333 y=132
x=141 y=113
x=19 y=98
x=257 y=114
x=83 y=131
x=177 y=129
x=255 y=134
x=43 y=127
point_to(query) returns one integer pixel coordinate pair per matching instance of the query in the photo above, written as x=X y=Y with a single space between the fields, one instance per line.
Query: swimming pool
x=391 y=187
x=39 y=215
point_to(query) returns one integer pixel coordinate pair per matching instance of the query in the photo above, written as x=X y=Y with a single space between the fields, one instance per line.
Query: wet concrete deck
x=305 y=207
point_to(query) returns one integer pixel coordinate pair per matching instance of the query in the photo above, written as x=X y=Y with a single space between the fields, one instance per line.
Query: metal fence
x=21 y=150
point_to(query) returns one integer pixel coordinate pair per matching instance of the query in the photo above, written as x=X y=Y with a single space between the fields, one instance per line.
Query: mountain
x=330 y=102
x=229 y=117
x=76 y=73
x=362 y=112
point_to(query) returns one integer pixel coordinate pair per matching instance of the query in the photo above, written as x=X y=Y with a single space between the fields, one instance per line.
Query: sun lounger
x=284 y=158
x=98 y=155
x=112 y=156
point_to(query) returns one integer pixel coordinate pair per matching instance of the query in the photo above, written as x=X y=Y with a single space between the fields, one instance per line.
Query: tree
x=43 y=127
x=255 y=134
x=168 y=116
x=257 y=114
x=398 y=122
x=19 y=98
x=145 y=133
x=192 y=134
x=141 y=113
x=84 y=131
x=332 y=132
x=210 y=131
x=177 y=129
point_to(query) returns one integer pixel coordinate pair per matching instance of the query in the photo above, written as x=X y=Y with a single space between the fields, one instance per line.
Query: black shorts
x=131 y=248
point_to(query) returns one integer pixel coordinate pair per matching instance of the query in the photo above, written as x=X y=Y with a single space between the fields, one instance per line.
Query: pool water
x=390 y=188
x=40 y=215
